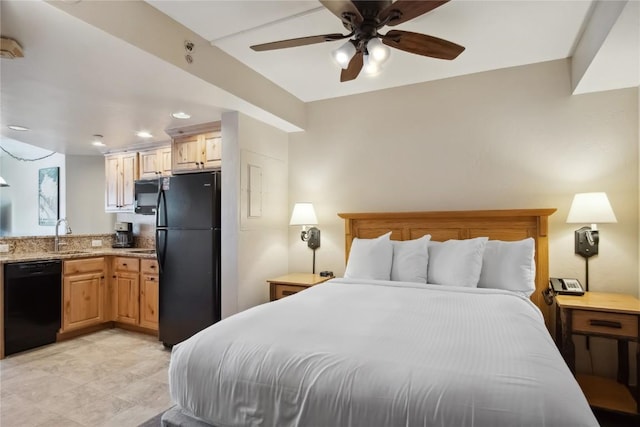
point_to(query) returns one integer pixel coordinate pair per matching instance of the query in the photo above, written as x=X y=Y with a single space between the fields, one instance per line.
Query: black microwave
x=146 y=196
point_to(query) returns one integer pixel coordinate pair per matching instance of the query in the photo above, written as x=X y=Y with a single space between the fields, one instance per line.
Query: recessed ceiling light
x=97 y=140
x=144 y=134
x=181 y=115
x=16 y=127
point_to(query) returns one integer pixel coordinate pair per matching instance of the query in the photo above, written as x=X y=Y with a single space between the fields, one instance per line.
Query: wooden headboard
x=509 y=225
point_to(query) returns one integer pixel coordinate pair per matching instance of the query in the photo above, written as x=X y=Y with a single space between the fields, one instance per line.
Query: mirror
x=29 y=203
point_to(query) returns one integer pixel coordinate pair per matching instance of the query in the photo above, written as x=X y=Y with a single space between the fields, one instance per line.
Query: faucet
x=56 y=240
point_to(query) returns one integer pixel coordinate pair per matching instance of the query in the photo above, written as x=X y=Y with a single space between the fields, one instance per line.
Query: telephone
x=566 y=286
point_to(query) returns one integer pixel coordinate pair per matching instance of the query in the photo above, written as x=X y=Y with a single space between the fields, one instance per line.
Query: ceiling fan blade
x=340 y=7
x=353 y=69
x=407 y=9
x=302 y=41
x=421 y=44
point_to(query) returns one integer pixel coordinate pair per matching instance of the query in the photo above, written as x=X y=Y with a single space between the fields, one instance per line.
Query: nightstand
x=599 y=314
x=289 y=284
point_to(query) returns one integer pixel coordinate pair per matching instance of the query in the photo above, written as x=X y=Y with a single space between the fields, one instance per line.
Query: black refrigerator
x=188 y=250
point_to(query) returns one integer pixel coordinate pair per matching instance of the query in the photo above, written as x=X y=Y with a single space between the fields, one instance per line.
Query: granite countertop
x=146 y=253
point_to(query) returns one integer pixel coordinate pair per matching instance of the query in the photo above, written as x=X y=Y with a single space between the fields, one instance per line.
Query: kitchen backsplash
x=18 y=245
x=143 y=225
x=143 y=237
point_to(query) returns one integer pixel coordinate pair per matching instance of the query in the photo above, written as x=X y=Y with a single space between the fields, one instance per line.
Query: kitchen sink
x=143 y=251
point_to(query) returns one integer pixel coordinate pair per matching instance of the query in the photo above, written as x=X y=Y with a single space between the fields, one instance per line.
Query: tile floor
x=109 y=378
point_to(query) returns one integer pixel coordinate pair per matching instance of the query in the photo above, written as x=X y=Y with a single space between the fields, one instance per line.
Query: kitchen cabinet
x=197 y=148
x=149 y=293
x=155 y=162
x=135 y=288
x=121 y=172
x=83 y=293
x=126 y=288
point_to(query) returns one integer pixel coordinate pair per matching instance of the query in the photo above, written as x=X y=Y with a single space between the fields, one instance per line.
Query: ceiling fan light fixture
x=344 y=53
x=371 y=66
x=378 y=51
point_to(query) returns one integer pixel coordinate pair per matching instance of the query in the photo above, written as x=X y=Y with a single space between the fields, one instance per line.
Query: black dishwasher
x=32 y=304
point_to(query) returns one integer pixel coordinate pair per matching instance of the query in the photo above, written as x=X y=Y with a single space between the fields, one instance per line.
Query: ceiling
x=84 y=81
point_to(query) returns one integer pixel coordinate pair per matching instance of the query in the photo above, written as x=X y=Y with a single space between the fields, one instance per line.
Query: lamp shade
x=3 y=183
x=591 y=208
x=378 y=51
x=303 y=214
x=344 y=53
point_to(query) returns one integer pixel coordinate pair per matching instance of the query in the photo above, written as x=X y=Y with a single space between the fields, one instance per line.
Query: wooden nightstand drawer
x=605 y=323
x=292 y=283
x=282 y=291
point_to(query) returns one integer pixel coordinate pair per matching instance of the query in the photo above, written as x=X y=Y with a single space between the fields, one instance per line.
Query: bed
x=394 y=350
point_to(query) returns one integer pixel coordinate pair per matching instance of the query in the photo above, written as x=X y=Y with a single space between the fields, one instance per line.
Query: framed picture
x=48 y=195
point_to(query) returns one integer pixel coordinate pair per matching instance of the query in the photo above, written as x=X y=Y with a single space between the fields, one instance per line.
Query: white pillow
x=370 y=258
x=509 y=265
x=410 y=260
x=456 y=262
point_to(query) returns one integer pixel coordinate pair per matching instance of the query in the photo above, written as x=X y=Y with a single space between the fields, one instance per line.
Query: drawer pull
x=606 y=324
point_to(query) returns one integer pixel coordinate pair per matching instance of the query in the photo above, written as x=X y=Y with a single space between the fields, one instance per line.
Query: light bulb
x=378 y=51
x=344 y=53
x=371 y=67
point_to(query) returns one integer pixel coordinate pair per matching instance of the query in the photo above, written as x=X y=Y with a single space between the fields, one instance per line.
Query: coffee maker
x=124 y=235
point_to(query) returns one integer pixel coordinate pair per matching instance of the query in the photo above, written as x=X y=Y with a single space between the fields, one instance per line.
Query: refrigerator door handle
x=161 y=250
x=161 y=202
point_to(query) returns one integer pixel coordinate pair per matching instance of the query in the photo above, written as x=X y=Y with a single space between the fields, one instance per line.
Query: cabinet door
x=149 y=164
x=127 y=287
x=82 y=296
x=212 y=149
x=186 y=154
x=149 y=301
x=164 y=161
x=112 y=178
x=129 y=175
x=121 y=172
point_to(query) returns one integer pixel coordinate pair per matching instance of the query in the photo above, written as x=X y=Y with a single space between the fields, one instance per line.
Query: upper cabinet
x=121 y=172
x=196 y=148
x=155 y=162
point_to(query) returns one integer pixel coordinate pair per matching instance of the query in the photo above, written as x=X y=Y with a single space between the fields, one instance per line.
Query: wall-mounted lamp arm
x=586 y=242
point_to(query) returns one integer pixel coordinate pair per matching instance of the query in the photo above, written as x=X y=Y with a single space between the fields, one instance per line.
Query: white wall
x=85 y=186
x=19 y=201
x=254 y=244
x=512 y=138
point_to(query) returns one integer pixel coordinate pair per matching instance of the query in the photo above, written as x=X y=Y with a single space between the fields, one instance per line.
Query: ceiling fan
x=363 y=19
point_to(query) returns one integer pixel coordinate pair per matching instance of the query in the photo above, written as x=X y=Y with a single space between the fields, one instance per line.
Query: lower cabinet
x=149 y=289
x=135 y=292
x=131 y=297
x=126 y=284
x=83 y=294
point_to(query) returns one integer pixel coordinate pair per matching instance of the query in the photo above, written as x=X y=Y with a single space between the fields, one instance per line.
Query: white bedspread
x=374 y=353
